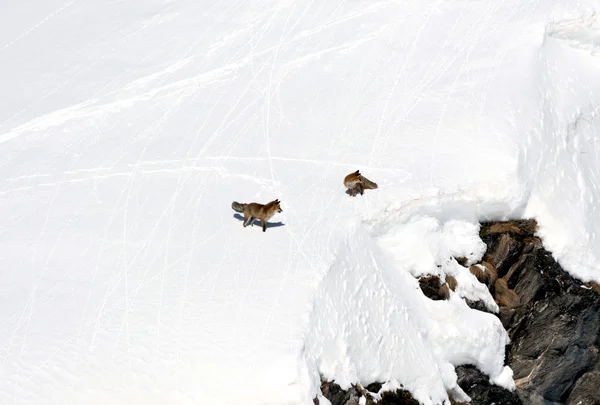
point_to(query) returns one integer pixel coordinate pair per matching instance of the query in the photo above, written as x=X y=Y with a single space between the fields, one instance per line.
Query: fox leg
x=248 y=220
x=360 y=189
x=264 y=225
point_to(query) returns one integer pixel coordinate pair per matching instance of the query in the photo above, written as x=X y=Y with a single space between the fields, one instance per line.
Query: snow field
x=127 y=128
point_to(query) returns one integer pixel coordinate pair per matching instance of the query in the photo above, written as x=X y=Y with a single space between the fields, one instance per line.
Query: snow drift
x=561 y=155
x=371 y=322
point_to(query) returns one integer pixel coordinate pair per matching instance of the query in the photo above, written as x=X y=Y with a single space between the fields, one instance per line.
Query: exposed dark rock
x=478 y=305
x=521 y=227
x=532 y=242
x=587 y=390
x=461 y=260
x=430 y=285
x=334 y=393
x=433 y=288
x=506 y=316
x=503 y=252
x=337 y=396
x=399 y=397
x=374 y=387
x=553 y=319
x=505 y=241
x=477 y=386
x=554 y=343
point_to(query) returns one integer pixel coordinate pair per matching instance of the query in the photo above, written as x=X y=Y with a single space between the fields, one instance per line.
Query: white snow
x=127 y=128
x=370 y=322
x=561 y=159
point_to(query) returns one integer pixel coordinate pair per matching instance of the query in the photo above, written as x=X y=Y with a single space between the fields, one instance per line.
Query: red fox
x=253 y=211
x=356 y=182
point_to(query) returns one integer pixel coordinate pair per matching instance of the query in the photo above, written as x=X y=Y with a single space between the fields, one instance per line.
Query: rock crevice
x=555 y=324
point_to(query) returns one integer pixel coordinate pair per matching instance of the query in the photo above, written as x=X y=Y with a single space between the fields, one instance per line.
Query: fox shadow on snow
x=348 y=192
x=258 y=222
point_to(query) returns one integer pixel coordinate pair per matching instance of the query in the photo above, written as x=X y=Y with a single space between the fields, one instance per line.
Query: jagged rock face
x=430 y=285
x=505 y=250
x=553 y=320
x=477 y=386
x=434 y=289
x=337 y=396
x=555 y=335
x=587 y=390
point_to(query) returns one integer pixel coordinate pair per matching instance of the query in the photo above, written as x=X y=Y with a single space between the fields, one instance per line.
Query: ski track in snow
x=127 y=280
x=92 y=107
x=169 y=166
x=39 y=24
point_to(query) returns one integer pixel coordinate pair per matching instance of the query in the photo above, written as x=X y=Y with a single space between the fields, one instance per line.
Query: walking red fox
x=356 y=182
x=253 y=211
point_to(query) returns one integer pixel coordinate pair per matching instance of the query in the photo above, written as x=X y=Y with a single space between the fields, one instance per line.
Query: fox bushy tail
x=237 y=207
x=366 y=183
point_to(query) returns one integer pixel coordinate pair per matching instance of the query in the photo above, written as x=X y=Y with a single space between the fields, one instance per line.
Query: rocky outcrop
x=432 y=287
x=553 y=320
x=485 y=272
x=369 y=395
x=435 y=289
x=587 y=390
x=482 y=392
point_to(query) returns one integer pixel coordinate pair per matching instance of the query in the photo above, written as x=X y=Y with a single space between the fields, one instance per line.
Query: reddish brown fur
x=253 y=211
x=357 y=183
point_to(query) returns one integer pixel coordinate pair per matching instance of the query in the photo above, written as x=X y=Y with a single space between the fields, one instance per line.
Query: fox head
x=277 y=206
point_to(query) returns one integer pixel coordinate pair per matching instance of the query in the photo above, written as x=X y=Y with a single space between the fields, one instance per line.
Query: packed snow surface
x=127 y=128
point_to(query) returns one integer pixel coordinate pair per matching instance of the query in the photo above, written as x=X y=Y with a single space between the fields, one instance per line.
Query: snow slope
x=127 y=128
x=562 y=149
